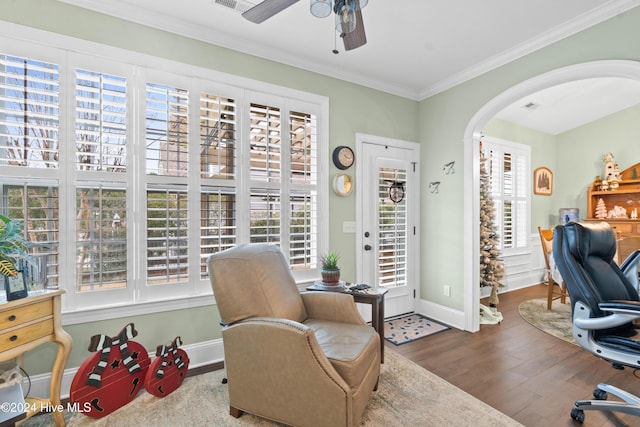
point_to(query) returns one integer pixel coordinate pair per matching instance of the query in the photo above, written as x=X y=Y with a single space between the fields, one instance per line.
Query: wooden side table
x=28 y=323
x=376 y=300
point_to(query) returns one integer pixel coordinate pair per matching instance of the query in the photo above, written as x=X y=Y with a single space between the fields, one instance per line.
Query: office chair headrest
x=592 y=240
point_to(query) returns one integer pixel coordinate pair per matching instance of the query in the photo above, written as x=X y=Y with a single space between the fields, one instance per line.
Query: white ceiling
x=415 y=48
x=567 y=106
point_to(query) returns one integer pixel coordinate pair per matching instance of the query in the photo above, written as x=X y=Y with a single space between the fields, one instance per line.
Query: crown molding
x=542 y=40
x=130 y=12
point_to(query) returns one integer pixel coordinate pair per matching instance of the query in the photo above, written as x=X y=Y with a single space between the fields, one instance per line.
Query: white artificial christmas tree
x=491 y=265
x=601 y=209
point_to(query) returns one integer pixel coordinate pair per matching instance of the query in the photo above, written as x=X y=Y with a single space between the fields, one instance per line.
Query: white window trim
x=61 y=49
x=525 y=150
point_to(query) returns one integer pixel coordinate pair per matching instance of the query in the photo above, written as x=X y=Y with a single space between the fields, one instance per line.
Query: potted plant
x=13 y=246
x=330 y=270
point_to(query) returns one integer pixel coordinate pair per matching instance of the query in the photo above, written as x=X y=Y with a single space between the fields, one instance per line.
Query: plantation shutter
x=29 y=112
x=508 y=168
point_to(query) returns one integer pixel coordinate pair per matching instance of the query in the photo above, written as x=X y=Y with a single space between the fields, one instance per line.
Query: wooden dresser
x=27 y=323
x=626 y=195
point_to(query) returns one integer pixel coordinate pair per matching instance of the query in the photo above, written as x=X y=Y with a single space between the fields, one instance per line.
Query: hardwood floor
x=521 y=371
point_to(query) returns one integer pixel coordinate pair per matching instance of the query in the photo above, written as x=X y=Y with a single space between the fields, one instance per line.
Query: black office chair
x=604 y=303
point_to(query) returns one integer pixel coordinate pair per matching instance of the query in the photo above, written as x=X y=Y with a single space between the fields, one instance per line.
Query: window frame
x=521 y=231
x=71 y=53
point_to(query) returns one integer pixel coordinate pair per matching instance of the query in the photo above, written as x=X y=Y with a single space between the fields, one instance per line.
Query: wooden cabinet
x=29 y=322
x=626 y=195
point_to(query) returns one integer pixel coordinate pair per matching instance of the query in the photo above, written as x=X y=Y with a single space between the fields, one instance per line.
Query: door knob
x=367 y=247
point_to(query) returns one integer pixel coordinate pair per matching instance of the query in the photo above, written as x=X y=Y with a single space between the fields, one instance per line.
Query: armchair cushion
x=345 y=346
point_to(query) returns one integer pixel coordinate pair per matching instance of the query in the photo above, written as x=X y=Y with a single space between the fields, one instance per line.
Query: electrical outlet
x=447 y=290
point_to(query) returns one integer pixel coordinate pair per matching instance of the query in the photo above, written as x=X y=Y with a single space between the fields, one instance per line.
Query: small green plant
x=329 y=261
x=13 y=246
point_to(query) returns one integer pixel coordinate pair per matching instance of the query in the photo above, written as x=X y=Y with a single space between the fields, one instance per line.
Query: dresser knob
x=12 y=318
x=13 y=338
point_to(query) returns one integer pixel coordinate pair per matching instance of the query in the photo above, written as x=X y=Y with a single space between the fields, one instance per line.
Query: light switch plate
x=348 y=227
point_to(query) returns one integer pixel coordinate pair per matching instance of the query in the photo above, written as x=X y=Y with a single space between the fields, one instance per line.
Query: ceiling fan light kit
x=349 y=22
x=345 y=16
x=321 y=8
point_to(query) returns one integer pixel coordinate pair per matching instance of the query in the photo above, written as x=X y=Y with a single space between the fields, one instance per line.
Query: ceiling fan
x=349 y=21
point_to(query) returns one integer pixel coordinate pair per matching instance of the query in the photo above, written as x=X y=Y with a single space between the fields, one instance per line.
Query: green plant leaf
x=7 y=267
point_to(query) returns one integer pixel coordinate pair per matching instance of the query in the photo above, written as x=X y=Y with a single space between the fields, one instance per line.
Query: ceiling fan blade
x=265 y=10
x=357 y=37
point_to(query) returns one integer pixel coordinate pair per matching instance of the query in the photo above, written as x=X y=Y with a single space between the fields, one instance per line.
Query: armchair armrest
x=622 y=312
x=333 y=306
x=621 y=306
x=276 y=366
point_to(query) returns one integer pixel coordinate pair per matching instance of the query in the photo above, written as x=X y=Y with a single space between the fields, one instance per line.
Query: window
x=508 y=166
x=109 y=188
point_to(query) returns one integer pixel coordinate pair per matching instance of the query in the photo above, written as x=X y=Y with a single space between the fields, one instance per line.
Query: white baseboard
x=446 y=315
x=200 y=354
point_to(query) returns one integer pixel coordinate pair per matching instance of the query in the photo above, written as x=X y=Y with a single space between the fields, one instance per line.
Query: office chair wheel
x=577 y=415
x=600 y=394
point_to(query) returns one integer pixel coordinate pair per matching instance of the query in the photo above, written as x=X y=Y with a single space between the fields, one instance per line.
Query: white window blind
x=36 y=207
x=264 y=140
x=509 y=170
x=218 y=223
x=167 y=236
x=217 y=137
x=101 y=245
x=101 y=122
x=163 y=166
x=29 y=112
x=167 y=130
x=392 y=230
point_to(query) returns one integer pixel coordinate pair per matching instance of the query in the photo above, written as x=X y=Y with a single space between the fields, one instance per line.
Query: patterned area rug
x=407 y=395
x=410 y=327
x=556 y=322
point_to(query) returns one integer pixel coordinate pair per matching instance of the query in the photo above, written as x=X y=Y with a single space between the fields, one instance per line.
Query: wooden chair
x=546 y=239
x=626 y=246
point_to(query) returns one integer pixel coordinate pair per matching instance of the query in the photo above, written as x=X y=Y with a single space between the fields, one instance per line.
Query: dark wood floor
x=521 y=371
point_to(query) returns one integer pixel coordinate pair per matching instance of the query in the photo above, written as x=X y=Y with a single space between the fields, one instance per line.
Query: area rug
x=556 y=322
x=407 y=395
x=410 y=327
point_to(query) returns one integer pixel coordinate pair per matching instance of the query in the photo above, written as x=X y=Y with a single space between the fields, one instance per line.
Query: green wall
x=353 y=108
x=543 y=153
x=618 y=134
x=438 y=123
x=443 y=119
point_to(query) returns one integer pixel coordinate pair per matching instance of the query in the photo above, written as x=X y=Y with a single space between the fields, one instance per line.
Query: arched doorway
x=606 y=68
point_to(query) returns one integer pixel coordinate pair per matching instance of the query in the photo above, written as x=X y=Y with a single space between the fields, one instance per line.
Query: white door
x=388 y=204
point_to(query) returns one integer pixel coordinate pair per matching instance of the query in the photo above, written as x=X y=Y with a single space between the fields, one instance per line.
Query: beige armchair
x=304 y=359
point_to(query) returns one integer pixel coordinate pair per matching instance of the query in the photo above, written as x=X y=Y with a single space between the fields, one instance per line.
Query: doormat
x=410 y=327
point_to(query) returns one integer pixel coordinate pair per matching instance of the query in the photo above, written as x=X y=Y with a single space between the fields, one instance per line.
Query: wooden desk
x=377 y=307
x=28 y=323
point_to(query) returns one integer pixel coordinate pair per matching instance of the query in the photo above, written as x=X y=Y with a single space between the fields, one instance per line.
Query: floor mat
x=410 y=327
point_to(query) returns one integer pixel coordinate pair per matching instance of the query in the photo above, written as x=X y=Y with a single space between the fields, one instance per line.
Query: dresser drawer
x=16 y=337
x=19 y=315
x=624 y=228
